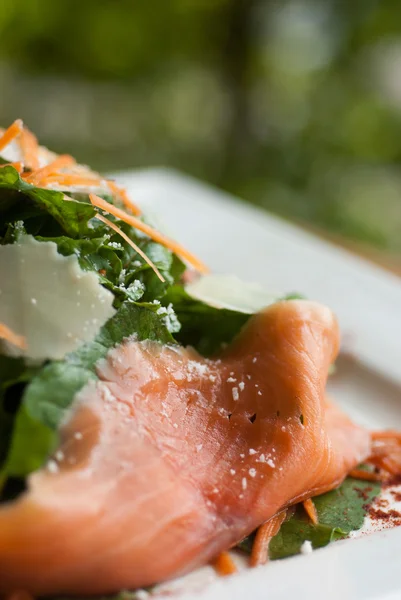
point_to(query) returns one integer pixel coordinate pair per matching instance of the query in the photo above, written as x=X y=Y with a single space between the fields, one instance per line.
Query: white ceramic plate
x=234 y=237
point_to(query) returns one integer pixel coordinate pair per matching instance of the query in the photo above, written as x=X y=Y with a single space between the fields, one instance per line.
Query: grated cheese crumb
x=231 y=380
x=199 y=447
x=241 y=386
x=262 y=458
x=235 y=394
x=59 y=455
x=197 y=368
x=244 y=483
x=252 y=472
x=270 y=463
x=232 y=471
x=78 y=435
x=52 y=466
x=254 y=359
x=107 y=395
x=306 y=547
x=252 y=451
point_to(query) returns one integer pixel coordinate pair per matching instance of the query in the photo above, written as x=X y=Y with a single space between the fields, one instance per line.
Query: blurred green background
x=293 y=105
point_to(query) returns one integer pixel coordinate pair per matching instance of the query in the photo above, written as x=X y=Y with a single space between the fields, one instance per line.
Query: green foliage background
x=293 y=104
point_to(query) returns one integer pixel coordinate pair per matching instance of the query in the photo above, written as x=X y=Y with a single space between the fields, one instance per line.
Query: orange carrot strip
x=17 y=165
x=152 y=233
x=64 y=160
x=124 y=197
x=310 y=510
x=365 y=475
x=264 y=534
x=132 y=244
x=224 y=564
x=16 y=340
x=390 y=434
x=30 y=149
x=387 y=464
x=11 y=133
x=71 y=179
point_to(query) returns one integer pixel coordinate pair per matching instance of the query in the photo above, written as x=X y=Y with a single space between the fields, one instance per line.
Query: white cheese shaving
x=226 y=291
x=39 y=299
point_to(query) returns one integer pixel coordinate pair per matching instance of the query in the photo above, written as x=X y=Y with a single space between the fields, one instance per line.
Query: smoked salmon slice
x=171 y=458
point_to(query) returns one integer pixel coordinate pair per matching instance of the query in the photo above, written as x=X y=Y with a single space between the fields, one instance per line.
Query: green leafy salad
x=76 y=281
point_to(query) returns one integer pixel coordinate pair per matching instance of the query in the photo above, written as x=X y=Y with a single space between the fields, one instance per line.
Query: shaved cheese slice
x=226 y=291
x=49 y=300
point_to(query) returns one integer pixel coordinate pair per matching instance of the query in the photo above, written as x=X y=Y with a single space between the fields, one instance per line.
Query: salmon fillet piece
x=171 y=458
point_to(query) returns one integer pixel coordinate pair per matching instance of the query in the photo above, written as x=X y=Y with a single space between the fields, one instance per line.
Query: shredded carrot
x=62 y=161
x=124 y=197
x=310 y=510
x=132 y=244
x=264 y=534
x=30 y=149
x=224 y=564
x=365 y=475
x=70 y=179
x=152 y=233
x=17 y=165
x=386 y=463
x=11 y=133
x=386 y=435
x=16 y=340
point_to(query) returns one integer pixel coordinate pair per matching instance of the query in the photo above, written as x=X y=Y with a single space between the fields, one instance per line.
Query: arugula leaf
x=71 y=215
x=203 y=326
x=345 y=507
x=340 y=511
x=13 y=376
x=51 y=392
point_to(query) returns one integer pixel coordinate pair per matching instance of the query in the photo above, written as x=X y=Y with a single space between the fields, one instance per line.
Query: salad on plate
x=154 y=416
